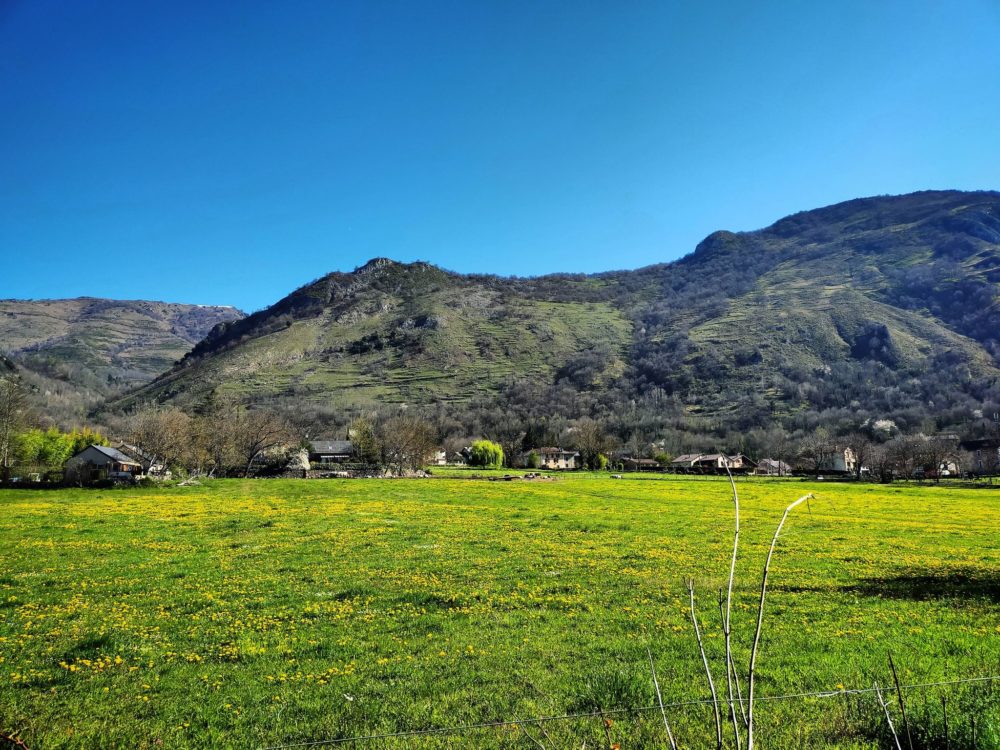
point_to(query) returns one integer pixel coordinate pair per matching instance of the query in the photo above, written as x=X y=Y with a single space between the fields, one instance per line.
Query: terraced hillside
x=898 y=294
x=397 y=333
x=78 y=351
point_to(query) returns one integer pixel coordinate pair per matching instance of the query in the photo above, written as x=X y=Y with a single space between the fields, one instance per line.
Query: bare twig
x=888 y=718
x=708 y=670
x=944 y=709
x=659 y=700
x=14 y=741
x=731 y=667
x=760 y=618
x=902 y=703
x=727 y=629
x=530 y=737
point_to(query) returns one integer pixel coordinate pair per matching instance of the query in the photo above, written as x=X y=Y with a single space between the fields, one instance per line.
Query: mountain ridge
x=75 y=352
x=765 y=321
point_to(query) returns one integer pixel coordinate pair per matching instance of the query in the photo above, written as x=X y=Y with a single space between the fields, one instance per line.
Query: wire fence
x=631 y=710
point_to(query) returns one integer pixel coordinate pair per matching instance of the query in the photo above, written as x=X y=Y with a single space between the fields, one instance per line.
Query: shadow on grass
x=920 y=585
x=926 y=585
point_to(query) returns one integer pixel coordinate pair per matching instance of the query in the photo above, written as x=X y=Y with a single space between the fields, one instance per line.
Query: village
x=940 y=458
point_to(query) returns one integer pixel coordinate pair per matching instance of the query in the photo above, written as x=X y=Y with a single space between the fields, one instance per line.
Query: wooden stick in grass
x=708 y=670
x=902 y=703
x=760 y=618
x=944 y=709
x=659 y=699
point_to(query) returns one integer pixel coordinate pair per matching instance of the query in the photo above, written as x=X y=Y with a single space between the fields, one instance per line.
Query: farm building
x=98 y=462
x=330 y=451
x=639 y=464
x=772 y=467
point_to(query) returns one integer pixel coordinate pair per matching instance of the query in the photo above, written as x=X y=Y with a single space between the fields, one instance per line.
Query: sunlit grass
x=241 y=614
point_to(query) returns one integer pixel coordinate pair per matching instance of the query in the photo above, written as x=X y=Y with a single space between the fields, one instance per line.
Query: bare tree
x=408 y=442
x=933 y=452
x=256 y=431
x=365 y=441
x=862 y=447
x=509 y=435
x=162 y=434
x=590 y=440
x=816 y=451
x=13 y=418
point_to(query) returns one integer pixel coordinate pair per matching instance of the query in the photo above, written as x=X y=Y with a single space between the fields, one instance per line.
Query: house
x=639 y=464
x=98 y=462
x=330 y=451
x=770 y=467
x=949 y=467
x=838 y=461
x=557 y=458
x=711 y=462
x=150 y=465
x=440 y=458
x=985 y=458
x=685 y=461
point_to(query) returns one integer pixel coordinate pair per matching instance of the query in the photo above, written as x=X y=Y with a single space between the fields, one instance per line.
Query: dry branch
x=727 y=629
x=708 y=670
x=760 y=618
x=659 y=700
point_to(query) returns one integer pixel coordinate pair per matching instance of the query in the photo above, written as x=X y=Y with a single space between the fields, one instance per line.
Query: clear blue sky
x=228 y=152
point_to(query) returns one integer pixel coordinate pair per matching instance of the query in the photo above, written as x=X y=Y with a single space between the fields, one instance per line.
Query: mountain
x=76 y=352
x=879 y=305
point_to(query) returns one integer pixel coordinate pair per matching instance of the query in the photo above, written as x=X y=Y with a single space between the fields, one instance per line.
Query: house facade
x=558 y=458
x=97 y=463
x=839 y=461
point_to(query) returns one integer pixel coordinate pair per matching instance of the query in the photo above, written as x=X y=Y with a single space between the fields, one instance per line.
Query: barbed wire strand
x=461 y=728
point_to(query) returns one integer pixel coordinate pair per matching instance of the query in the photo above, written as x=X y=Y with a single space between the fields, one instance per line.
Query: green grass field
x=259 y=613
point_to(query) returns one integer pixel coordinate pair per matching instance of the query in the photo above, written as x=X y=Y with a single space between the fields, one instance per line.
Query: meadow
x=263 y=613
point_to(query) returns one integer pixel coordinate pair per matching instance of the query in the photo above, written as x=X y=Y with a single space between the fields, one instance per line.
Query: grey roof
x=771 y=462
x=334 y=447
x=115 y=454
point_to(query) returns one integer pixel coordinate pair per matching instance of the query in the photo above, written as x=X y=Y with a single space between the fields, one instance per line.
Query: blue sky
x=226 y=153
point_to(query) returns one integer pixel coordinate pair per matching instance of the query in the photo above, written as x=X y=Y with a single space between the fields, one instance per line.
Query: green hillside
x=76 y=352
x=882 y=302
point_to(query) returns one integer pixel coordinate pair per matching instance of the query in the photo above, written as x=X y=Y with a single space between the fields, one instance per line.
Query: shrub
x=485 y=453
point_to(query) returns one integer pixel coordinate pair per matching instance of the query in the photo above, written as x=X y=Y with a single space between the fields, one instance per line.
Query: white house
x=558 y=458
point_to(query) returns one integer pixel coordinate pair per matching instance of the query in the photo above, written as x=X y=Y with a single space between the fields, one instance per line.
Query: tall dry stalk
x=659 y=700
x=727 y=629
x=708 y=670
x=760 y=619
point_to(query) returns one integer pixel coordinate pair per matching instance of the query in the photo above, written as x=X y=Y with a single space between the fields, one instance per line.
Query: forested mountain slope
x=880 y=304
x=76 y=352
